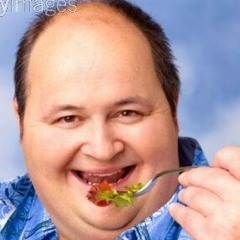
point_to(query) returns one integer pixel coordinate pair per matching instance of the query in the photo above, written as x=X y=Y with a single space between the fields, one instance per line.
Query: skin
x=212 y=198
x=95 y=107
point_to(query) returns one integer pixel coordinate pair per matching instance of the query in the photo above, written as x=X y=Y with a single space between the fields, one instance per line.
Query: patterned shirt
x=23 y=217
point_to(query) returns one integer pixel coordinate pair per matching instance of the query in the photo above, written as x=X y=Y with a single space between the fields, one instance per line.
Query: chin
x=112 y=218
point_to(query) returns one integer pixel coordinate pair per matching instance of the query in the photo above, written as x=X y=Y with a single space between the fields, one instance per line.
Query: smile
x=111 y=177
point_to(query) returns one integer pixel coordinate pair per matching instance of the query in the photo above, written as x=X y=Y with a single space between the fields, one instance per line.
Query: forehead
x=91 y=36
x=91 y=15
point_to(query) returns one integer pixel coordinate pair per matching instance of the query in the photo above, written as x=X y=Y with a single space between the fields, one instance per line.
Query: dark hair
x=163 y=59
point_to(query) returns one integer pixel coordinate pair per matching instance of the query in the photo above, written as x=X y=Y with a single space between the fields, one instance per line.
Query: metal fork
x=150 y=184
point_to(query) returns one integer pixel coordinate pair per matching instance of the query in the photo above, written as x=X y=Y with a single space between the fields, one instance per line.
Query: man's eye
x=129 y=116
x=69 y=119
x=128 y=113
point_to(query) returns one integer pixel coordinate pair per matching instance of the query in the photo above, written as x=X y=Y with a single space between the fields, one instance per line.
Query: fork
x=150 y=184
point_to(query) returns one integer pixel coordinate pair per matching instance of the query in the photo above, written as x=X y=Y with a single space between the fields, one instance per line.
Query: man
x=96 y=97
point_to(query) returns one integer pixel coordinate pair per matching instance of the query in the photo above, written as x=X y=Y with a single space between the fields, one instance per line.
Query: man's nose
x=102 y=142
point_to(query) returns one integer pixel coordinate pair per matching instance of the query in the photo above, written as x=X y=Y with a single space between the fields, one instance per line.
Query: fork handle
x=180 y=170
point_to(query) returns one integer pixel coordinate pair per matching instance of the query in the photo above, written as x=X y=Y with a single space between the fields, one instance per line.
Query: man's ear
x=15 y=107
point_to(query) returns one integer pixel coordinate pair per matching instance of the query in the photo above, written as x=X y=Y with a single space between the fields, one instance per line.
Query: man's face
x=95 y=109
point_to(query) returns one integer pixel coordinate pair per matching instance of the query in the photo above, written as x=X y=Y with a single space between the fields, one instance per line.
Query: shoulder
x=14 y=190
x=12 y=193
x=22 y=215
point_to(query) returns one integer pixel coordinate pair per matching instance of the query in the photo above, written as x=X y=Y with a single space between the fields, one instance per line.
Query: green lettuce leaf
x=120 y=199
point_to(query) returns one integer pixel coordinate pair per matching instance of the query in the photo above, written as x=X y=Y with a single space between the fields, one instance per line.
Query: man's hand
x=212 y=196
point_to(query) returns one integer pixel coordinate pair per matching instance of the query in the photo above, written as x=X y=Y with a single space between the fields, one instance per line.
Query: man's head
x=96 y=110
x=161 y=52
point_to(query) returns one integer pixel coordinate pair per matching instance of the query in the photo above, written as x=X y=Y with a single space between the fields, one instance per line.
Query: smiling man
x=96 y=98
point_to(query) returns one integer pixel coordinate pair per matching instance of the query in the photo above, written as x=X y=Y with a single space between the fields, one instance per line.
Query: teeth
x=92 y=183
x=119 y=180
x=111 y=177
x=88 y=182
x=105 y=174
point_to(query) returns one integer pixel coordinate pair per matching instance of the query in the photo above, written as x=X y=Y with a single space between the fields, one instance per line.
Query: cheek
x=47 y=151
x=153 y=139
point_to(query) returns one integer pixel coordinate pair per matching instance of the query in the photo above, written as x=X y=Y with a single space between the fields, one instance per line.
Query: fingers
x=212 y=197
x=229 y=159
x=190 y=220
x=221 y=224
x=216 y=180
x=200 y=200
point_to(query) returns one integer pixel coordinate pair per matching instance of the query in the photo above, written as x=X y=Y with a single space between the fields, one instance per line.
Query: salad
x=102 y=194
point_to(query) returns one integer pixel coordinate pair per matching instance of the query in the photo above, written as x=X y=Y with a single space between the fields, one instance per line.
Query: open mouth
x=110 y=177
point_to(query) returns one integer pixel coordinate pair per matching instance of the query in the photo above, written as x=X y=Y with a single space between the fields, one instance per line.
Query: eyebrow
x=69 y=107
x=132 y=100
x=61 y=108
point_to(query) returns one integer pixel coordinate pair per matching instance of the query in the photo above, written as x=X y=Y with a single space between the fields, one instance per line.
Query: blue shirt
x=22 y=215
